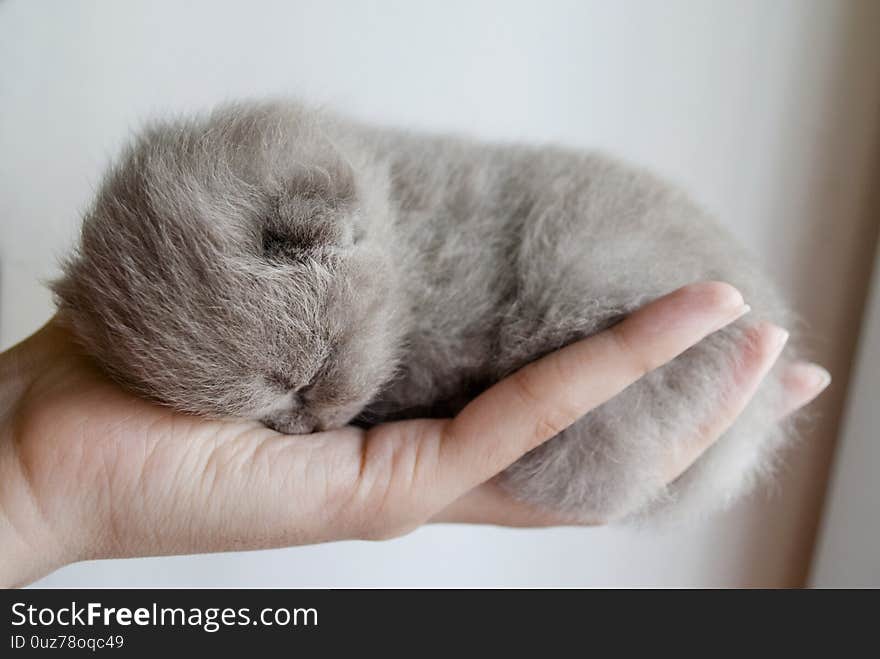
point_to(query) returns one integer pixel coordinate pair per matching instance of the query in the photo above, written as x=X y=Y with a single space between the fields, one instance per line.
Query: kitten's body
x=440 y=266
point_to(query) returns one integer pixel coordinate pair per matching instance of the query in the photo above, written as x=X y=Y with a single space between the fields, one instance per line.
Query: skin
x=88 y=471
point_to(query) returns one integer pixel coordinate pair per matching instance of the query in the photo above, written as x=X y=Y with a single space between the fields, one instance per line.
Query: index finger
x=543 y=398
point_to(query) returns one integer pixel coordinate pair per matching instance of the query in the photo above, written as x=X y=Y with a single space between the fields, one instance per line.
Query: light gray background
x=766 y=111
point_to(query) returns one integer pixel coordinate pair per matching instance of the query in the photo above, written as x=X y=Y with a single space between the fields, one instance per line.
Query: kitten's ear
x=329 y=184
x=315 y=210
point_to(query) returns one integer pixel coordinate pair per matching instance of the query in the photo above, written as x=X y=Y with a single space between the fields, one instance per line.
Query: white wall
x=766 y=111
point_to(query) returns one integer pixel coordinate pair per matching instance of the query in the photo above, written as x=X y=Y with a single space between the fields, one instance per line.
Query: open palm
x=88 y=470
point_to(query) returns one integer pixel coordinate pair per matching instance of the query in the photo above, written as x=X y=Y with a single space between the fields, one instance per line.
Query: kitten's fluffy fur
x=274 y=262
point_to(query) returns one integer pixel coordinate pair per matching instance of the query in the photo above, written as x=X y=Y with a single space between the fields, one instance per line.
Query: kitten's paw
x=613 y=464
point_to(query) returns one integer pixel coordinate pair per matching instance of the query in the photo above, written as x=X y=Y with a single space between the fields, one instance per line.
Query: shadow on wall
x=845 y=182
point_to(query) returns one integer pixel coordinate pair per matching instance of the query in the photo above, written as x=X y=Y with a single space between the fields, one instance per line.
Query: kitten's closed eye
x=281 y=381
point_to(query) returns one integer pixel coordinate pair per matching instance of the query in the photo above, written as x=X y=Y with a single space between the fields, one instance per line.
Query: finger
x=802 y=382
x=541 y=399
x=760 y=350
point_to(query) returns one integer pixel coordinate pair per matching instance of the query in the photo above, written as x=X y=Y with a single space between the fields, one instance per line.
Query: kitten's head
x=230 y=266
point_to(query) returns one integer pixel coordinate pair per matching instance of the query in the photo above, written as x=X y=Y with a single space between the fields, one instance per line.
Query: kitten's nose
x=303 y=427
x=289 y=424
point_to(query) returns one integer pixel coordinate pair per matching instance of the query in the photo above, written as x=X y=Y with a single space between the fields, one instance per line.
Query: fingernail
x=819 y=377
x=735 y=315
x=718 y=294
x=776 y=338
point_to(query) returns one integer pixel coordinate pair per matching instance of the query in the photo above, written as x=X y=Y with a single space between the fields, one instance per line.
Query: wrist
x=28 y=549
x=29 y=544
x=21 y=562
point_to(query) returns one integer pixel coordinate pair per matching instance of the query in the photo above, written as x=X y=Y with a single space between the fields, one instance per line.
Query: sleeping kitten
x=272 y=262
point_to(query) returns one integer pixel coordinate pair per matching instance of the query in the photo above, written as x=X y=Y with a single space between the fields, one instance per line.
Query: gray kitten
x=273 y=262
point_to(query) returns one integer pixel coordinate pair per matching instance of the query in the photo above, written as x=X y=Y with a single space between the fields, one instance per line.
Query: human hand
x=89 y=471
